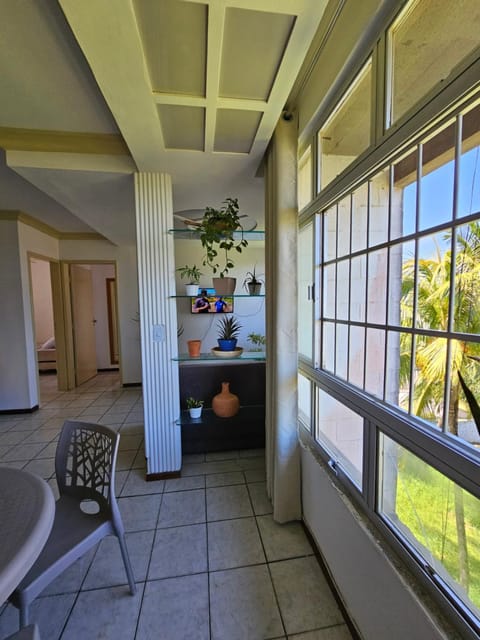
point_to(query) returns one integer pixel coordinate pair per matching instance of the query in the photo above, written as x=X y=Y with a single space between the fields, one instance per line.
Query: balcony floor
x=209 y=561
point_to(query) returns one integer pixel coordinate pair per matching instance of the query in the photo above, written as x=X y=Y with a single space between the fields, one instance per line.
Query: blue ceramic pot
x=227 y=345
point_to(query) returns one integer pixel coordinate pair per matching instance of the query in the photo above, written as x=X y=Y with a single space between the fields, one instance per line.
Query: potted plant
x=194 y=348
x=216 y=230
x=195 y=407
x=193 y=275
x=252 y=284
x=258 y=341
x=228 y=330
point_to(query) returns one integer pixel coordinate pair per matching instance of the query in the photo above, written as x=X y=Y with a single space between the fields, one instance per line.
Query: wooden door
x=83 y=323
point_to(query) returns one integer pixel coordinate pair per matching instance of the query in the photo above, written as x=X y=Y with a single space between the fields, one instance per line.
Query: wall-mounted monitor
x=207 y=301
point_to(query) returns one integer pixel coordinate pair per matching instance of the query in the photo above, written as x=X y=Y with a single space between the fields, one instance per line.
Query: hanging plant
x=216 y=231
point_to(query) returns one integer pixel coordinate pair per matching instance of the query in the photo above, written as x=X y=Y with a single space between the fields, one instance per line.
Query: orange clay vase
x=194 y=347
x=225 y=404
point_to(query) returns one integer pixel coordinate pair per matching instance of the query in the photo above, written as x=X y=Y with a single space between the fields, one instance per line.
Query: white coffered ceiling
x=95 y=90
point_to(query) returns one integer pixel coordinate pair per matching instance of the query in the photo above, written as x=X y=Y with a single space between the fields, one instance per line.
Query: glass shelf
x=228 y=295
x=246 y=355
x=189 y=234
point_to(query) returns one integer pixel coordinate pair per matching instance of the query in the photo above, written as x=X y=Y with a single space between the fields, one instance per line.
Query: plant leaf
x=472 y=403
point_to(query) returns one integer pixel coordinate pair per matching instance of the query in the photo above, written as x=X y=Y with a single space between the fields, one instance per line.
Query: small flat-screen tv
x=207 y=301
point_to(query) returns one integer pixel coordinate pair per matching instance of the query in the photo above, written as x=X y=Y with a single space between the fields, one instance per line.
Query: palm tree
x=434 y=289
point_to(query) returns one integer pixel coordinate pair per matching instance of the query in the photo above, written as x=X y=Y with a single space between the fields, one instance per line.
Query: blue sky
x=436 y=204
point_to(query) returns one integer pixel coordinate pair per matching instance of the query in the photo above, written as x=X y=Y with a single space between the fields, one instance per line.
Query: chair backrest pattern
x=85 y=461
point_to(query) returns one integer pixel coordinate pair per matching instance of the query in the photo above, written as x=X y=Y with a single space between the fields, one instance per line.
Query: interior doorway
x=43 y=314
x=75 y=319
x=94 y=318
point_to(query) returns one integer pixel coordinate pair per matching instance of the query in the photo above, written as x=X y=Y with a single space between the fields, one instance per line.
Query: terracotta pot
x=225 y=404
x=194 y=347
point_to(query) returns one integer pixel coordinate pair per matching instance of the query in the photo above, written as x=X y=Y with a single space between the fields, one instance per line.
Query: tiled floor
x=209 y=561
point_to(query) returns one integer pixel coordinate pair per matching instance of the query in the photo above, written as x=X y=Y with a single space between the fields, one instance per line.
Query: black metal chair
x=85 y=461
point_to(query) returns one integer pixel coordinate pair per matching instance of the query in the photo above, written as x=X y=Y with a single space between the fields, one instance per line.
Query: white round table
x=27 y=510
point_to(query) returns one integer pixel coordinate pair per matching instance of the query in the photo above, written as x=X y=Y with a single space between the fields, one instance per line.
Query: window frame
x=451 y=457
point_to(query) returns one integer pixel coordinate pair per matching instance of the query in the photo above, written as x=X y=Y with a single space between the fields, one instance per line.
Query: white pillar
x=158 y=323
x=283 y=455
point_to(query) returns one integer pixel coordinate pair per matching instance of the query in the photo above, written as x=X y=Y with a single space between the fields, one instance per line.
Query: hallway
x=209 y=561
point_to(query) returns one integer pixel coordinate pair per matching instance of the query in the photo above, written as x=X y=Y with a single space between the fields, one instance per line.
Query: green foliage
x=433 y=313
x=228 y=328
x=217 y=230
x=257 y=339
x=425 y=504
x=193 y=403
x=193 y=273
x=472 y=402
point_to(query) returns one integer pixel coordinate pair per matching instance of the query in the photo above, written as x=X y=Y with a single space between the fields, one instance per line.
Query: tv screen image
x=207 y=301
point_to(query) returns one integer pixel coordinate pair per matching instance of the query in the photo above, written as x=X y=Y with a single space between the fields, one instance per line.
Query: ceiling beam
x=111 y=43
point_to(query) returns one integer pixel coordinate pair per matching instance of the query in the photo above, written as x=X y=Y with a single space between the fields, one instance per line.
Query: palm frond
x=472 y=402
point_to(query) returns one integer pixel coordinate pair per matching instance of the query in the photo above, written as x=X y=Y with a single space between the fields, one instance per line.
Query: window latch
x=333 y=466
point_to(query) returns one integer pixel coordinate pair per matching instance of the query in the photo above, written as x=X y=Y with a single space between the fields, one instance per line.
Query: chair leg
x=126 y=562
x=24 y=614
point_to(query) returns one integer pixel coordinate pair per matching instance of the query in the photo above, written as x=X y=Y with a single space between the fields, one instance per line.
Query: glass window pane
x=429 y=379
x=358 y=288
x=422 y=31
x=402 y=282
x=356 y=356
x=379 y=208
x=466 y=316
x=359 y=218
x=328 y=346
x=304 y=300
x=377 y=286
x=440 y=519
x=404 y=196
x=398 y=384
x=438 y=166
x=466 y=361
x=469 y=183
x=343 y=285
x=340 y=431
x=343 y=227
x=375 y=362
x=394 y=374
x=433 y=282
x=341 y=363
x=329 y=291
x=347 y=131
x=305 y=178
x=395 y=254
x=304 y=401
x=330 y=234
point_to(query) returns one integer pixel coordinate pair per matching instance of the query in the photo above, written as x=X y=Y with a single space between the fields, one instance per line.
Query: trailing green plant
x=258 y=340
x=216 y=231
x=228 y=328
x=192 y=274
x=193 y=403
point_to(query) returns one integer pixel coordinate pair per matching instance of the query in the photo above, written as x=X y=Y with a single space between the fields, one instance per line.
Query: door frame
x=63 y=312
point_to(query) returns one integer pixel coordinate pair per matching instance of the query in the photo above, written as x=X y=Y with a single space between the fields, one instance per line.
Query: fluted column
x=158 y=323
